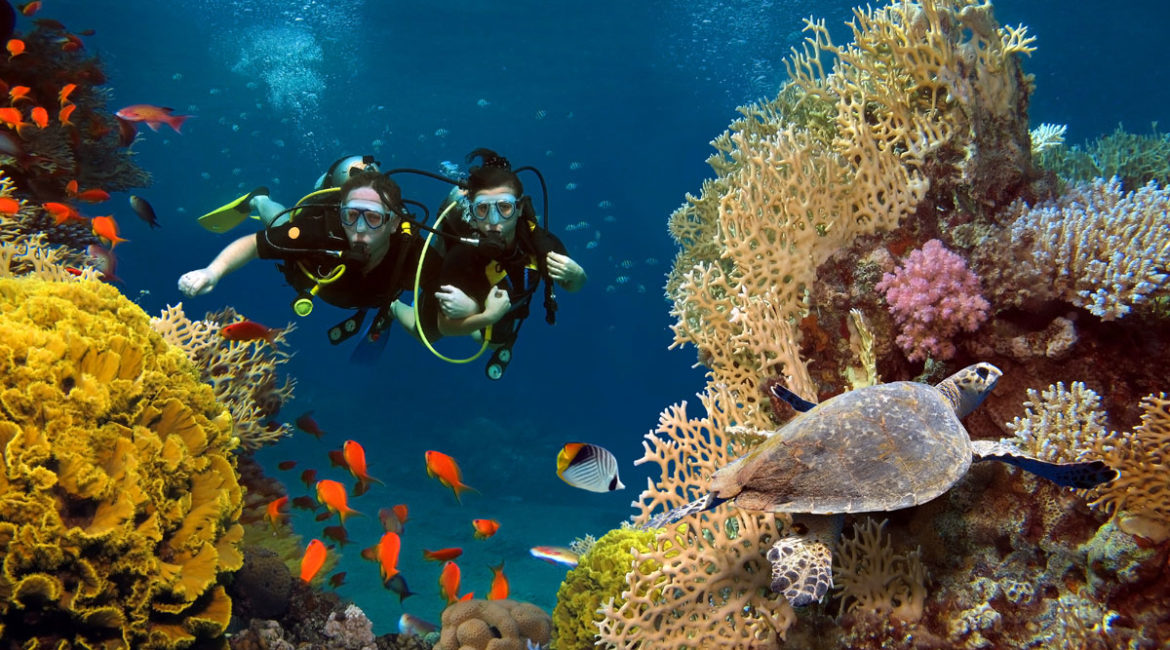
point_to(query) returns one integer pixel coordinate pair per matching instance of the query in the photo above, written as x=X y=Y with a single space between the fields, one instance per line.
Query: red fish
x=273 y=514
x=17 y=93
x=337 y=459
x=71 y=188
x=9 y=206
x=499 y=588
x=385 y=553
x=337 y=579
x=126 y=132
x=307 y=424
x=30 y=8
x=313 y=560
x=442 y=555
x=402 y=512
x=286 y=465
x=309 y=477
x=355 y=460
x=444 y=468
x=305 y=503
x=93 y=196
x=14 y=118
x=62 y=212
x=153 y=116
x=107 y=228
x=63 y=95
x=332 y=494
x=249 y=330
x=70 y=43
x=105 y=261
x=15 y=48
x=485 y=528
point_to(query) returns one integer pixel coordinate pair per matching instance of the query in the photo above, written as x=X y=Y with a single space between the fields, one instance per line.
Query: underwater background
x=615 y=103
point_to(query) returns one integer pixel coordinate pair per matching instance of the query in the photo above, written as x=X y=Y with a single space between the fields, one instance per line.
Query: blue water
x=617 y=99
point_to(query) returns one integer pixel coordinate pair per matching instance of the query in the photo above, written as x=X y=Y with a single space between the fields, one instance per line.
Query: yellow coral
x=1142 y=457
x=118 y=495
x=872 y=578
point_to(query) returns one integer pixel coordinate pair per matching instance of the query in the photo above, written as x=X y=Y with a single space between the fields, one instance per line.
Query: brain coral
x=118 y=497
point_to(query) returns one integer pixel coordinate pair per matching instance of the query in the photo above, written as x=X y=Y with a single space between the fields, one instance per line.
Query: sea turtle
x=874 y=449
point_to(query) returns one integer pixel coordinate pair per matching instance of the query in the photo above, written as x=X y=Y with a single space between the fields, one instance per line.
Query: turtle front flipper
x=705 y=502
x=802 y=569
x=1080 y=475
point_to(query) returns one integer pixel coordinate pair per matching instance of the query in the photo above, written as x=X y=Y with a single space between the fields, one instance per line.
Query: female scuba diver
x=360 y=253
x=488 y=286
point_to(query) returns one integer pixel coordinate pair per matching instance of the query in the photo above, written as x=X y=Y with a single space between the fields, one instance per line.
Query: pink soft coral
x=932 y=296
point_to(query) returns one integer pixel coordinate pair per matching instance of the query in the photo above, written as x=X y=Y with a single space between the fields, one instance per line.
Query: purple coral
x=932 y=296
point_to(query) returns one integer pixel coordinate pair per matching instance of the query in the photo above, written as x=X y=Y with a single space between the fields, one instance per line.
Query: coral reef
x=1134 y=159
x=493 y=625
x=599 y=577
x=118 y=493
x=872 y=578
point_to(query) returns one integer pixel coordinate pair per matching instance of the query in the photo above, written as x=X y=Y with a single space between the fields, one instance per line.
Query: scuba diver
x=486 y=286
x=357 y=253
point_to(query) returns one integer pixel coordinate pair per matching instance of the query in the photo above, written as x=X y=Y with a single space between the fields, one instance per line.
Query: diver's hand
x=198 y=282
x=565 y=271
x=454 y=303
x=497 y=304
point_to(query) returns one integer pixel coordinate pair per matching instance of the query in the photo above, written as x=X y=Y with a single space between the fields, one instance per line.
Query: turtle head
x=966 y=389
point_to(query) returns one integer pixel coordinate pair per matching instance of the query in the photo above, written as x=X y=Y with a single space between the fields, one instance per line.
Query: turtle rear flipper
x=802 y=569
x=1081 y=475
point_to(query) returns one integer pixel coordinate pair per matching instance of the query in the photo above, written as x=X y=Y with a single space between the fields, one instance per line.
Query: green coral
x=1136 y=159
x=600 y=575
x=118 y=493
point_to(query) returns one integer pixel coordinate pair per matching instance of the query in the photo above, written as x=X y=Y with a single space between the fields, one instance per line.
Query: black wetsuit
x=469 y=269
x=311 y=242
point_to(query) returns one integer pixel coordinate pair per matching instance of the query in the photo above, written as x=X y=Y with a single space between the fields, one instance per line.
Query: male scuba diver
x=355 y=247
x=486 y=287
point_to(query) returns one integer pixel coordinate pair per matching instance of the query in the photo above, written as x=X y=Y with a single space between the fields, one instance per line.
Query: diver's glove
x=198 y=282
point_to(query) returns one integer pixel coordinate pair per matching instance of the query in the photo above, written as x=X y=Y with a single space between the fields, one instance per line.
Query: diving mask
x=371 y=212
x=494 y=209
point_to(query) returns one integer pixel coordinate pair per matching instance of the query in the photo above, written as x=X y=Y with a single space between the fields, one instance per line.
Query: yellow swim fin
x=231 y=214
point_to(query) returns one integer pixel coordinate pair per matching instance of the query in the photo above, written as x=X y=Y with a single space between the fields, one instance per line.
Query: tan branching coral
x=706 y=583
x=243 y=374
x=1059 y=424
x=872 y=578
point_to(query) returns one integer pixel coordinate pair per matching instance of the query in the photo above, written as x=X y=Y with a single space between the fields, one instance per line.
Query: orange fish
x=442 y=555
x=249 y=330
x=66 y=90
x=66 y=111
x=93 y=196
x=62 y=212
x=107 y=228
x=153 y=116
x=14 y=118
x=444 y=468
x=313 y=560
x=449 y=582
x=15 y=48
x=402 y=512
x=40 y=117
x=499 y=588
x=485 y=528
x=30 y=8
x=71 y=187
x=17 y=93
x=355 y=460
x=307 y=424
x=9 y=206
x=273 y=514
x=332 y=494
x=385 y=553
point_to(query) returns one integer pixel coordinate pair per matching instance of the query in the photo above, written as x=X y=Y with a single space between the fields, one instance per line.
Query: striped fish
x=588 y=467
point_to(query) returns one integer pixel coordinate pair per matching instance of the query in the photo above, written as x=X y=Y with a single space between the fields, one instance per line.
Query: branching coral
x=118 y=497
x=1100 y=248
x=871 y=577
x=242 y=373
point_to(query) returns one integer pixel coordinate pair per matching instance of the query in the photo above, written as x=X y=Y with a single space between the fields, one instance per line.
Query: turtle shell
x=874 y=449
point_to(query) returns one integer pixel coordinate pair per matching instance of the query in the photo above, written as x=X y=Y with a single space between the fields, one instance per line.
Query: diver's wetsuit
x=302 y=245
x=469 y=269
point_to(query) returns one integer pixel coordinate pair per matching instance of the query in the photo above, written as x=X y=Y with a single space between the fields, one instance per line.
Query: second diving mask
x=369 y=211
x=495 y=209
